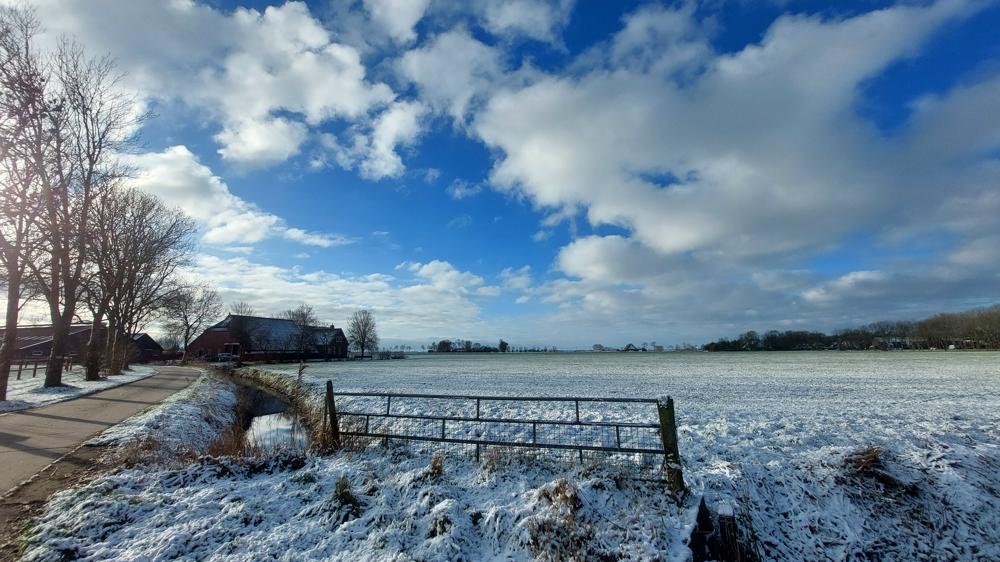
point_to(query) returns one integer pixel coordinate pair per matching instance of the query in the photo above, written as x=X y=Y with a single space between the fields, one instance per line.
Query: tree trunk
x=187 y=340
x=94 y=347
x=118 y=353
x=53 y=370
x=9 y=345
x=109 y=343
x=113 y=338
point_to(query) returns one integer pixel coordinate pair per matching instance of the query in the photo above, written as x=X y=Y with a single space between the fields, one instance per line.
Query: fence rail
x=22 y=365
x=647 y=441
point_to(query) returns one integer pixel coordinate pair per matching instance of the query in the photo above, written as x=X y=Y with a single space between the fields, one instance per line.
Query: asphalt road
x=32 y=439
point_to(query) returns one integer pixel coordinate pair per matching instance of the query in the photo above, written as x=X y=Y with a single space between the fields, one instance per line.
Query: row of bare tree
x=73 y=234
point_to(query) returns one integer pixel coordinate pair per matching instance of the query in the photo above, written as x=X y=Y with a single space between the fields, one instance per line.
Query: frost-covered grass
x=184 y=424
x=30 y=393
x=833 y=456
x=773 y=432
x=390 y=507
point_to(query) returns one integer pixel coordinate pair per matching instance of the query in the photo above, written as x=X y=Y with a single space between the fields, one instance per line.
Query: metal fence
x=637 y=433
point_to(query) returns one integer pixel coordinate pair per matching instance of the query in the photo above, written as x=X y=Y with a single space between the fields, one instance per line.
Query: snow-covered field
x=29 y=392
x=776 y=433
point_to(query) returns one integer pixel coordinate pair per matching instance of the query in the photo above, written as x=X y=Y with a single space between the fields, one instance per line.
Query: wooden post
x=34 y=369
x=702 y=543
x=729 y=538
x=331 y=408
x=671 y=452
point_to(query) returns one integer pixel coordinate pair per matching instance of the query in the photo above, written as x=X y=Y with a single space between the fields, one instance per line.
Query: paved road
x=31 y=439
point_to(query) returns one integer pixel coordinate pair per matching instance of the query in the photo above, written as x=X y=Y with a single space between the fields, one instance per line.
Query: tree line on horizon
x=972 y=329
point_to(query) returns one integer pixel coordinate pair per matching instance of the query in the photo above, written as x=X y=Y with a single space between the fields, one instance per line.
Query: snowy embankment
x=391 y=506
x=184 y=424
x=29 y=392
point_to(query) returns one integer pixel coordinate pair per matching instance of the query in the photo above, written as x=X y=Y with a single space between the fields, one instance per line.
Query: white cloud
x=452 y=71
x=179 y=179
x=320 y=239
x=517 y=279
x=444 y=276
x=262 y=142
x=746 y=187
x=541 y=20
x=438 y=301
x=851 y=284
x=460 y=189
x=398 y=125
x=374 y=150
x=265 y=77
x=397 y=17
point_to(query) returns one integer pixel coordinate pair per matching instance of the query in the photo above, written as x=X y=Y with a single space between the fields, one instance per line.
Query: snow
x=774 y=437
x=227 y=509
x=187 y=422
x=29 y=392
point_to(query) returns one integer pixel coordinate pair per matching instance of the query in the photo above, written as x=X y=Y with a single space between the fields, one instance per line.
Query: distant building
x=258 y=338
x=35 y=342
x=146 y=349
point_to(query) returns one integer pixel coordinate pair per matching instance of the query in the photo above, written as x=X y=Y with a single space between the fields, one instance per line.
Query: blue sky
x=568 y=173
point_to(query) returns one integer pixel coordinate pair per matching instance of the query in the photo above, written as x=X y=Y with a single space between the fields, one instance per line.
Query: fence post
x=671 y=452
x=331 y=408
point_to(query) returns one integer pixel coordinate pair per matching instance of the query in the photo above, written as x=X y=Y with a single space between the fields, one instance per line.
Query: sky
x=569 y=173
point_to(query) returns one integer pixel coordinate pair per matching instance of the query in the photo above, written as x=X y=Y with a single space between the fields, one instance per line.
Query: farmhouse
x=258 y=338
x=146 y=349
x=35 y=342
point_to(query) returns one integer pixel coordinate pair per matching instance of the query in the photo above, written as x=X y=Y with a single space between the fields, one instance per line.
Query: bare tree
x=191 y=309
x=80 y=121
x=361 y=331
x=303 y=338
x=22 y=79
x=241 y=308
x=138 y=246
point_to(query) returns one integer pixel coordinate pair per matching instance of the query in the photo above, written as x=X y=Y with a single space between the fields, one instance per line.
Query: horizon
x=567 y=173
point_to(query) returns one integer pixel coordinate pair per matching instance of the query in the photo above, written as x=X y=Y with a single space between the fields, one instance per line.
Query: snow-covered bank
x=29 y=392
x=398 y=507
x=184 y=424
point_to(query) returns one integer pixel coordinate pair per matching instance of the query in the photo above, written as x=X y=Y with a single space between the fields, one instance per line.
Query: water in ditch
x=269 y=422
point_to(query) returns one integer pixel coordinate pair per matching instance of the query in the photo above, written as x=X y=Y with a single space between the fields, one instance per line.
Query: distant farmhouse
x=256 y=338
x=146 y=348
x=35 y=342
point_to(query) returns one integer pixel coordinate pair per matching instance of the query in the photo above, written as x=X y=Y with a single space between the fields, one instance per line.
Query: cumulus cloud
x=435 y=298
x=452 y=71
x=718 y=164
x=179 y=179
x=266 y=77
x=398 y=17
x=398 y=125
x=541 y=20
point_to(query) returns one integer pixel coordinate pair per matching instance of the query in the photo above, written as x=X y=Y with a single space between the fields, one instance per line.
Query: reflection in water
x=277 y=431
